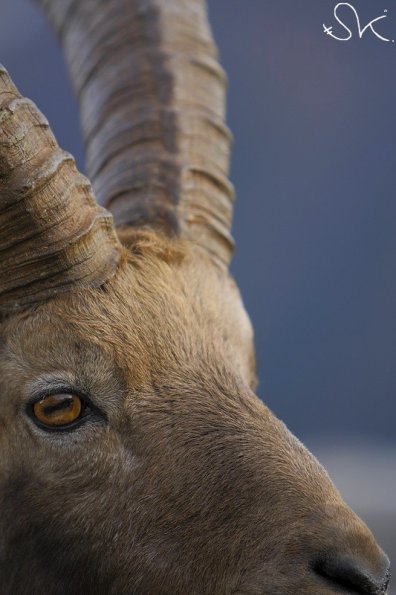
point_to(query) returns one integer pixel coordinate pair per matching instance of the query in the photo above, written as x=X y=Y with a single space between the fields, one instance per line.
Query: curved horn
x=53 y=236
x=151 y=94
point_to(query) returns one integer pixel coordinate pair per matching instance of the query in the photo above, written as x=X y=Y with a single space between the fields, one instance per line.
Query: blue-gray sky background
x=314 y=168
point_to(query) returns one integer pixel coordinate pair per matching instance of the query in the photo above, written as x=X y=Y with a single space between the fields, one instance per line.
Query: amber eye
x=55 y=411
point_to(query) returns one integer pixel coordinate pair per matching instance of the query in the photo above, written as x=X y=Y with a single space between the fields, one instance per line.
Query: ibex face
x=135 y=458
x=177 y=479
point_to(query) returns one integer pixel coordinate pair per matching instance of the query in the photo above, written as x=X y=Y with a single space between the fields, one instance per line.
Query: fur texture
x=182 y=481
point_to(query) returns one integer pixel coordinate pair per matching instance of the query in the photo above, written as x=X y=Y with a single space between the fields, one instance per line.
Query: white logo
x=361 y=32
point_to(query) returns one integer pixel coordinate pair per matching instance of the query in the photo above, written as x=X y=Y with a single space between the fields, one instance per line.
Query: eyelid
x=54 y=390
x=48 y=384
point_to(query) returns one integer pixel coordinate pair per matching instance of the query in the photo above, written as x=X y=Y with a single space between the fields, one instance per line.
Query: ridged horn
x=53 y=235
x=152 y=94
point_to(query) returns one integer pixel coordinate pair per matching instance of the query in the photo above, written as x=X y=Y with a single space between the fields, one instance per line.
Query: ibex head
x=135 y=456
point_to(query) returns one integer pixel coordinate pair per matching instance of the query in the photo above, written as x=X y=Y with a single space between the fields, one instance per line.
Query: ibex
x=135 y=456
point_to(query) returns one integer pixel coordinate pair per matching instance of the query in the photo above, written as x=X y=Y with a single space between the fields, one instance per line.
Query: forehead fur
x=163 y=310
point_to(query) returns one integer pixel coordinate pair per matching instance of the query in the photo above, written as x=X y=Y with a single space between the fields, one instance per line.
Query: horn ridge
x=53 y=235
x=152 y=106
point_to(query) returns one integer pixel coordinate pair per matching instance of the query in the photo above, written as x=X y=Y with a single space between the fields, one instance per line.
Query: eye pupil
x=66 y=403
x=58 y=410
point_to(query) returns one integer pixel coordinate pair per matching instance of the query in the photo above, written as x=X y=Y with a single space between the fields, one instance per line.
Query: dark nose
x=353 y=575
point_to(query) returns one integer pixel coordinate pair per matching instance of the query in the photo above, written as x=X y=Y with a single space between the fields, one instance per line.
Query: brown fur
x=187 y=484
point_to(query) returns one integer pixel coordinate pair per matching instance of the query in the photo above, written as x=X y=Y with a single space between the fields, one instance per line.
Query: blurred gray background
x=314 y=121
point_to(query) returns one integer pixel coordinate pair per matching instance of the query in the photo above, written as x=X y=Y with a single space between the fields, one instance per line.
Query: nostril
x=349 y=574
